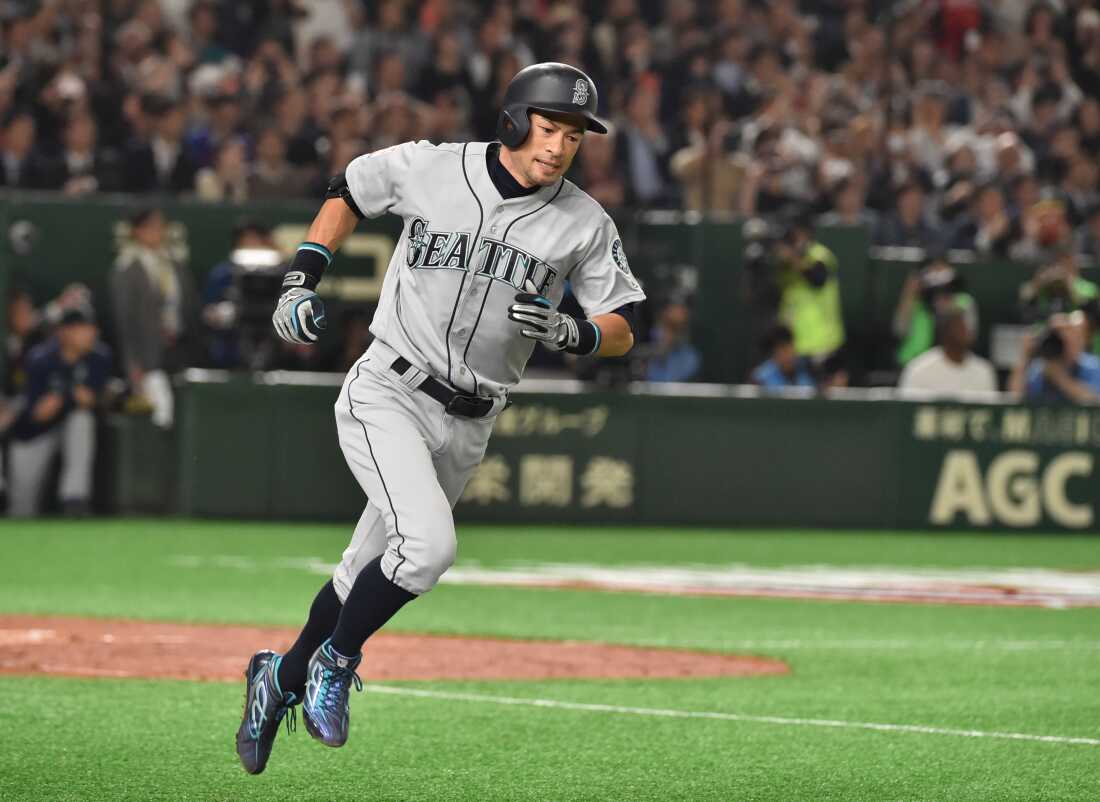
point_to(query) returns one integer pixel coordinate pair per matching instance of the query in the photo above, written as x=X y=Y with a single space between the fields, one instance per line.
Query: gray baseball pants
x=29 y=463
x=413 y=460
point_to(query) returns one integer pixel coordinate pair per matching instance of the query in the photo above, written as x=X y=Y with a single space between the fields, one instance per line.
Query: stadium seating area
x=732 y=105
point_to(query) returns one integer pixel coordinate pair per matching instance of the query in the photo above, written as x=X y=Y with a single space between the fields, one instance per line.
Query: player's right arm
x=299 y=313
x=368 y=187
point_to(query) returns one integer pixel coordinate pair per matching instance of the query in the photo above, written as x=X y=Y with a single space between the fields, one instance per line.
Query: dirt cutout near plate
x=94 y=647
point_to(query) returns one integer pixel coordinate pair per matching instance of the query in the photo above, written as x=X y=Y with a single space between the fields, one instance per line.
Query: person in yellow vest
x=809 y=287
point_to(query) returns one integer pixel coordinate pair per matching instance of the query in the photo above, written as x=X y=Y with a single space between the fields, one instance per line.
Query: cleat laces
x=334 y=684
x=291 y=716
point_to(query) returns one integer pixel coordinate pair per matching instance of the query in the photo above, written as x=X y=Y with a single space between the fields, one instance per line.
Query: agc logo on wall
x=1015 y=490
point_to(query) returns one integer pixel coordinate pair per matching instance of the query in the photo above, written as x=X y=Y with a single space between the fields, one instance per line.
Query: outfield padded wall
x=262 y=450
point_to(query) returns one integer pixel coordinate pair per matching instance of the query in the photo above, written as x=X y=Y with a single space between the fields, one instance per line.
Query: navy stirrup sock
x=323 y=615
x=372 y=602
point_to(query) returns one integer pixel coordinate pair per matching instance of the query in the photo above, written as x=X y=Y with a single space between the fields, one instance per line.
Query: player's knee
x=418 y=567
x=446 y=556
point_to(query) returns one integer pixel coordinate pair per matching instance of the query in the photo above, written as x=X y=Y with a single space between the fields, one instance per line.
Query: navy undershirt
x=504 y=181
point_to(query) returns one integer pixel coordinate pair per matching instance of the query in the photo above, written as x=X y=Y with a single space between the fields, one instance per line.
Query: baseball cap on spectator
x=80 y=313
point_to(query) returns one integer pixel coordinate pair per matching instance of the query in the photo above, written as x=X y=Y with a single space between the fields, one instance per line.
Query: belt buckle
x=467 y=406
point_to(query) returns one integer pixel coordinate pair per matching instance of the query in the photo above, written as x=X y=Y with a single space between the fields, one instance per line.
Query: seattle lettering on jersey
x=495 y=259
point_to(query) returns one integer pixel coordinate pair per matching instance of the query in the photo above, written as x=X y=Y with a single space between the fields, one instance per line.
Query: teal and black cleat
x=328 y=686
x=265 y=707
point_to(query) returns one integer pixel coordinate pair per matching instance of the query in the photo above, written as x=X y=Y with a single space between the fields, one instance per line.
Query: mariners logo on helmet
x=580 y=92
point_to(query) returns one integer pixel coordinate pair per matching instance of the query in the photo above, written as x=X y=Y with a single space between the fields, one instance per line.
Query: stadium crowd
x=939 y=123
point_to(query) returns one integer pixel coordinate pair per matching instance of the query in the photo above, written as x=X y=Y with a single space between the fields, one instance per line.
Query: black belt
x=465 y=406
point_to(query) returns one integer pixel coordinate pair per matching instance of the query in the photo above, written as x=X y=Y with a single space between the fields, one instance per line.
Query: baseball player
x=492 y=234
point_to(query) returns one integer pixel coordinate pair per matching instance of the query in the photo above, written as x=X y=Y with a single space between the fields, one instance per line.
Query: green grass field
x=996 y=672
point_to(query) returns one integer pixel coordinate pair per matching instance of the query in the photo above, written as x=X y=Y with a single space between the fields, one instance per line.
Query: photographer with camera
x=236 y=297
x=1056 y=287
x=809 y=290
x=927 y=292
x=1054 y=367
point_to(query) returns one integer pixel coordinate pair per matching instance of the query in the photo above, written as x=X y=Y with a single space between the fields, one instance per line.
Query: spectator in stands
x=708 y=173
x=1078 y=188
x=449 y=117
x=155 y=308
x=202 y=34
x=1088 y=238
x=930 y=132
x=16 y=146
x=339 y=156
x=643 y=147
x=1056 y=287
x=299 y=131
x=950 y=369
x=81 y=166
x=908 y=225
x=385 y=26
x=228 y=179
x=222 y=123
x=809 y=289
x=672 y=357
x=1087 y=123
x=272 y=177
x=959 y=182
x=66 y=377
x=775 y=178
x=849 y=206
x=926 y=294
x=1046 y=232
x=784 y=367
x=1054 y=367
x=446 y=69
x=598 y=176
x=160 y=162
x=988 y=228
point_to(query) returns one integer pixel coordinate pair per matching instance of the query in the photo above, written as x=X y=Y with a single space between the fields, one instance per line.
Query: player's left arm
x=616 y=336
x=606 y=290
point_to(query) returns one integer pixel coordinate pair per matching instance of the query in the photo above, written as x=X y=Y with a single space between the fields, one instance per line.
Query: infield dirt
x=92 y=647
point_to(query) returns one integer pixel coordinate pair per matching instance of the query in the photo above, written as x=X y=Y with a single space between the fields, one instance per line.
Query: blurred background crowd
x=940 y=122
x=943 y=126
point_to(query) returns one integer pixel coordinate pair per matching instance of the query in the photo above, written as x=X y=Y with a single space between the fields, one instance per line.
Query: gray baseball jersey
x=465 y=252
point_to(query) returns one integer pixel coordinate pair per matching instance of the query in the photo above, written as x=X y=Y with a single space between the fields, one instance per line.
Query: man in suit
x=81 y=166
x=155 y=309
x=16 y=144
x=161 y=162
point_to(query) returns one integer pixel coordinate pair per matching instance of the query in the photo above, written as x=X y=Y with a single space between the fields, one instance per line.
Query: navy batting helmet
x=550 y=87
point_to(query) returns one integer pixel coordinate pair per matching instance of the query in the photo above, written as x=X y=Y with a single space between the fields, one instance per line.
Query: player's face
x=549 y=149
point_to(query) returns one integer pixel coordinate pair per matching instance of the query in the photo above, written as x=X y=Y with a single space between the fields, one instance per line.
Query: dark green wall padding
x=259 y=450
